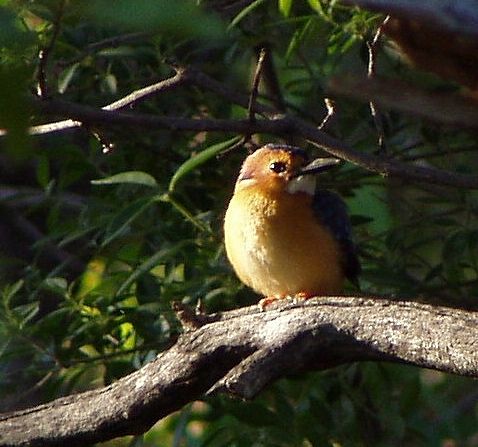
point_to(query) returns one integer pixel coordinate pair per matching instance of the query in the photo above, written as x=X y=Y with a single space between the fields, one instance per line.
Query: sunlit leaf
x=134 y=177
x=285 y=7
x=315 y=5
x=197 y=160
x=66 y=77
x=149 y=263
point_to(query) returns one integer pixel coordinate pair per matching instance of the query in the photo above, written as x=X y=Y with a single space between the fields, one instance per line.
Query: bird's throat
x=303 y=183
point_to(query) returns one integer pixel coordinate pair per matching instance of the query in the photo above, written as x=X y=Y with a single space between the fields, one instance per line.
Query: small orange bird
x=284 y=236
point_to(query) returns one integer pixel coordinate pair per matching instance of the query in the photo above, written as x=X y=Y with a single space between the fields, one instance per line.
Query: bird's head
x=282 y=168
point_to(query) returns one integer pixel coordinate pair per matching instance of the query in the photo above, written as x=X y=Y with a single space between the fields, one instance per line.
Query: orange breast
x=278 y=247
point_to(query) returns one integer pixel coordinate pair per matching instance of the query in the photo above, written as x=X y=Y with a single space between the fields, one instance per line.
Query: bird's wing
x=332 y=212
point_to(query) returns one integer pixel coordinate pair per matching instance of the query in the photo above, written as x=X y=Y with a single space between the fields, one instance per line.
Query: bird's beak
x=318 y=165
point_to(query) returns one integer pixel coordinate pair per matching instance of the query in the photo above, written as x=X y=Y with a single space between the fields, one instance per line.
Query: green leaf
x=110 y=84
x=151 y=262
x=43 y=171
x=66 y=76
x=178 y=18
x=10 y=291
x=56 y=285
x=135 y=177
x=123 y=219
x=199 y=159
x=247 y=10
x=315 y=5
x=299 y=36
x=285 y=7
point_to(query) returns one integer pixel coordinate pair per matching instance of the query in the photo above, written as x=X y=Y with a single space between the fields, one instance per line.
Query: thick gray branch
x=242 y=351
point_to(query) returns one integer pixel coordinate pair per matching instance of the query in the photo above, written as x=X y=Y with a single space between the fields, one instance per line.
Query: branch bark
x=242 y=351
x=279 y=125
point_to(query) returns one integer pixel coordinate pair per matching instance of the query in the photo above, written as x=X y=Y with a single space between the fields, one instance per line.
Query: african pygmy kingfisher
x=284 y=236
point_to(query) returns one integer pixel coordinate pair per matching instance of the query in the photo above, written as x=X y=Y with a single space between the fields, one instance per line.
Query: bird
x=284 y=236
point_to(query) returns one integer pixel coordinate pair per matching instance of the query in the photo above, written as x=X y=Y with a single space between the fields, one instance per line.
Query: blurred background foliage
x=96 y=244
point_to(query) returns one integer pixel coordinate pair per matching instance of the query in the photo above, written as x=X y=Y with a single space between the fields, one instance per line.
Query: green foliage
x=95 y=245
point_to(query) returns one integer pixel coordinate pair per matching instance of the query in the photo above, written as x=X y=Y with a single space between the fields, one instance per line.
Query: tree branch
x=451 y=109
x=242 y=351
x=277 y=124
x=281 y=125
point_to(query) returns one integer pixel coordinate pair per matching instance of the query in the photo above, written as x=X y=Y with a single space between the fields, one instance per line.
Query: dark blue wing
x=332 y=212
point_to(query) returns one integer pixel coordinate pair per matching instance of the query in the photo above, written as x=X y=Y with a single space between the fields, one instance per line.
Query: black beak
x=318 y=165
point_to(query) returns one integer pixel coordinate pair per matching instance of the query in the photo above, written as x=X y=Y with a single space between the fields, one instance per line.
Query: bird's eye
x=278 y=167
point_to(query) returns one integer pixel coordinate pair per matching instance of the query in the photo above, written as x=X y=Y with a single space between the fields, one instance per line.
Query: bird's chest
x=276 y=245
x=279 y=231
x=267 y=231
x=247 y=232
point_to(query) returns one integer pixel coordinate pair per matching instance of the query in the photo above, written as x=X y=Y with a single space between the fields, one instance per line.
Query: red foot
x=266 y=301
x=302 y=296
x=297 y=298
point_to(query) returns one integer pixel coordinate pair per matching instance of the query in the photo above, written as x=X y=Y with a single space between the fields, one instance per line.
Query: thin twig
x=142 y=94
x=330 y=105
x=251 y=108
x=270 y=80
x=252 y=104
x=371 y=69
x=129 y=100
x=44 y=53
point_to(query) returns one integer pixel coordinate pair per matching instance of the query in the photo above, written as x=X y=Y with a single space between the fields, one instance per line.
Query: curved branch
x=113 y=114
x=277 y=126
x=240 y=352
x=128 y=101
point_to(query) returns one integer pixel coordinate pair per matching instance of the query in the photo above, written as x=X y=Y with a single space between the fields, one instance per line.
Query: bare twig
x=252 y=103
x=251 y=108
x=142 y=94
x=44 y=53
x=129 y=100
x=330 y=105
x=189 y=319
x=371 y=69
x=270 y=80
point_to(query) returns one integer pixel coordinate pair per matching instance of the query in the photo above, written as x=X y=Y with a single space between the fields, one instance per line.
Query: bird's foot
x=300 y=297
x=297 y=298
x=266 y=301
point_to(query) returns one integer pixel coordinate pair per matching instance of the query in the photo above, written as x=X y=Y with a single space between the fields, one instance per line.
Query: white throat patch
x=303 y=183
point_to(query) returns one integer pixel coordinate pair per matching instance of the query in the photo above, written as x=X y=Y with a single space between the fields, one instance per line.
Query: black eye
x=278 y=167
